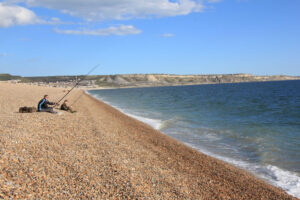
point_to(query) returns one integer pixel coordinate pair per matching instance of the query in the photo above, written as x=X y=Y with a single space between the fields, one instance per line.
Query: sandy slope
x=100 y=153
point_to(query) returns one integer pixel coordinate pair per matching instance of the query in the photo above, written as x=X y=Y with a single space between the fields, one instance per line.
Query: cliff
x=139 y=80
x=145 y=80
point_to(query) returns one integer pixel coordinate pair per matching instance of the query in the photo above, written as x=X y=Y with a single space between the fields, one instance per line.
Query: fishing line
x=78 y=82
x=77 y=98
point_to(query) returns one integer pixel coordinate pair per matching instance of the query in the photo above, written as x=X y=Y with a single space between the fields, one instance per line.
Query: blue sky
x=63 y=37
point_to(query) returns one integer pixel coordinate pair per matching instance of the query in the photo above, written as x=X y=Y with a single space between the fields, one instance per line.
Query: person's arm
x=50 y=103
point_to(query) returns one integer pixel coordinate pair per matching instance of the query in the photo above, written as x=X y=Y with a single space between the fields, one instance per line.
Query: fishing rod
x=77 y=83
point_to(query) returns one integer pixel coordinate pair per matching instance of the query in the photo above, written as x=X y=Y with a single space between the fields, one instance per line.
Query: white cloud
x=94 y=10
x=54 y=21
x=167 y=35
x=11 y=15
x=213 y=1
x=120 y=30
x=3 y=54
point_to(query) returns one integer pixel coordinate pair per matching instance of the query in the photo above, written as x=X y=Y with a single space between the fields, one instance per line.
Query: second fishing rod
x=77 y=83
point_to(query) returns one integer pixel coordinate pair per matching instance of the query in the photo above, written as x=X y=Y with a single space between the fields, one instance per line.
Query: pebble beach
x=100 y=153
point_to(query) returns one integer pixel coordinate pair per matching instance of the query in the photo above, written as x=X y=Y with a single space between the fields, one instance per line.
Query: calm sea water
x=255 y=126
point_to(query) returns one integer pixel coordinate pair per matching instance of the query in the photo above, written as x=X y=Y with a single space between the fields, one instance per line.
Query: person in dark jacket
x=43 y=105
x=65 y=106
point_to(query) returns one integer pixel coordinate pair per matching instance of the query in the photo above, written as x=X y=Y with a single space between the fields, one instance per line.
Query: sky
x=69 y=37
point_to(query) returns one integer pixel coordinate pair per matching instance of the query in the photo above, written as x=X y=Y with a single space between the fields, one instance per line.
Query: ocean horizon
x=254 y=126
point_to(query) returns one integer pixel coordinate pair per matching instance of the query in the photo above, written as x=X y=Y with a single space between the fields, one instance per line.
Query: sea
x=254 y=126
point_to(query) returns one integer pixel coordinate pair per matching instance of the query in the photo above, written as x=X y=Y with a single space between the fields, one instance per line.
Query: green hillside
x=7 y=77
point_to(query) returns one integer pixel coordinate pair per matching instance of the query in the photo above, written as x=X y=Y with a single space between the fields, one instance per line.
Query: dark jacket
x=64 y=107
x=43 y=104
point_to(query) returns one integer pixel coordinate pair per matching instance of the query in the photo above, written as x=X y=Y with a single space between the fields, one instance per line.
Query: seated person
x=43 y=105
x=65 y=106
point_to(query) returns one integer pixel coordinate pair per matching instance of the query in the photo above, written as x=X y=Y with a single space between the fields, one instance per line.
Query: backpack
x=27 y=109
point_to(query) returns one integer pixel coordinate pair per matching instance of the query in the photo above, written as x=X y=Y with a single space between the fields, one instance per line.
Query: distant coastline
x=141 y=80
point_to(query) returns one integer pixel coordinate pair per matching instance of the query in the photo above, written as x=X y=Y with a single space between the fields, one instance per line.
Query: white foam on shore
x=155 y=123
x=288 y=181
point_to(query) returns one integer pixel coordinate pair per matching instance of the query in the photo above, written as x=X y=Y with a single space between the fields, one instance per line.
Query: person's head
x=46 y=96
x=66 y=101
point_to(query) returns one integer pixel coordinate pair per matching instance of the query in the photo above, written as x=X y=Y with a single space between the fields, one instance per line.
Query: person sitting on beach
x=43 y=105
x=65 y=106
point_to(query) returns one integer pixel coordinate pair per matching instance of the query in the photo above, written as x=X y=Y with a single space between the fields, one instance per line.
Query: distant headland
x=142 y=80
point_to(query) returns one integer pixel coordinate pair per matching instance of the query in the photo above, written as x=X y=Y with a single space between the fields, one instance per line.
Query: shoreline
x=102 y=153
x=188 y=146
x=251 y=168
